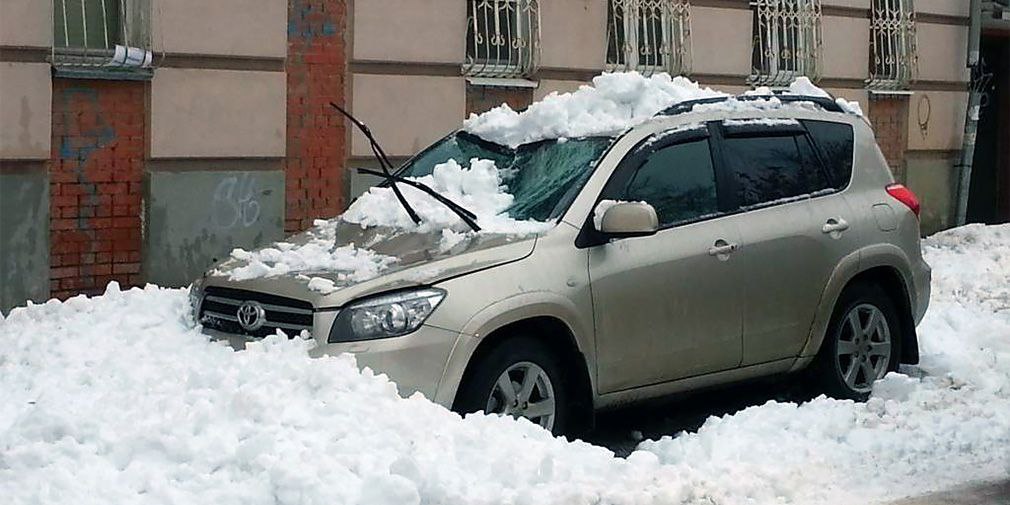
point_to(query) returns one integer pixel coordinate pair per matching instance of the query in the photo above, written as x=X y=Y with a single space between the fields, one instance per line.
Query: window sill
x=502 y=82
x=109 y=74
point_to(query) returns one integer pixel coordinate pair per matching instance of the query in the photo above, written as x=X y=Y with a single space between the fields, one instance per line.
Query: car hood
x=414 y=259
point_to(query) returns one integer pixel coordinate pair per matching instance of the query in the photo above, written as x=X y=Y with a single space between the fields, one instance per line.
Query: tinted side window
x=772 y=168
x=835 y=142
x=679 y=181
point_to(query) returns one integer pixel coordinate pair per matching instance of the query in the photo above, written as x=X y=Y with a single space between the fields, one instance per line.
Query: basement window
x=649 y=36
x=502 y=38
x=787 y=41
x=893 y=55
x=101 y=38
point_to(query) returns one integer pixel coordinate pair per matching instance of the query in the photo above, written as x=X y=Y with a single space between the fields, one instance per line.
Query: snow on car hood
x=376 y=244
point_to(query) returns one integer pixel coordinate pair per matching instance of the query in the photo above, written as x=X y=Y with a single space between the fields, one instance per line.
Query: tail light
x=905 y=196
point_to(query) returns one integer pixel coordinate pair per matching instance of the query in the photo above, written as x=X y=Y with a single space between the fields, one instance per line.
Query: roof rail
x=825 y=103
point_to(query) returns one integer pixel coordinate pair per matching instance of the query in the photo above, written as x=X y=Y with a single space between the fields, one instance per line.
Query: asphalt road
x=988 y=493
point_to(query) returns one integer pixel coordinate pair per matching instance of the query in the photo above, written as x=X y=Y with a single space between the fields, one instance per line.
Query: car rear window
x=835 y=143
x=773 y=168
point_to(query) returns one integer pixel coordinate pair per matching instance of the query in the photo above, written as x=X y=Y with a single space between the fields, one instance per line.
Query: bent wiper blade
x=468 y=217
x=383 y=160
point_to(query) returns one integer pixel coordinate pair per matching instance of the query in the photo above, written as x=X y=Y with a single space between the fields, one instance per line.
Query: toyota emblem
x=251 y=316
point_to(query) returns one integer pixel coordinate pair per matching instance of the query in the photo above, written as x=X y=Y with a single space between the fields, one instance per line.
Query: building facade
x=141 y=140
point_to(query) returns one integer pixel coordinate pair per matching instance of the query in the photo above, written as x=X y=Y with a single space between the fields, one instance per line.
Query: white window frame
x=667 y=50
x=894 y=57
x=508 y=50
x=787 y=41
x=125 y=46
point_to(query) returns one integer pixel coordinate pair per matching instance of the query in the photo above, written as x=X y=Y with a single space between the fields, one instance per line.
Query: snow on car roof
x=614 y=103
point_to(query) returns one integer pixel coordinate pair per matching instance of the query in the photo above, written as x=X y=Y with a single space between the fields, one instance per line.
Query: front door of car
x=667 y=306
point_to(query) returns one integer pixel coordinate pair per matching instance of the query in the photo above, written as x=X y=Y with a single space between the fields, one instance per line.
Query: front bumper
x=415 y=362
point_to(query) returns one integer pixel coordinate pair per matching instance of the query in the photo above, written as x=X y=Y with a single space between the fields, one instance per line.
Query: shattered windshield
x=544 y=177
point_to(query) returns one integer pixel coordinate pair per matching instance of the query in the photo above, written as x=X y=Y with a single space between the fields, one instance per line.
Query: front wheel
x=520 y=377
x=861 y=344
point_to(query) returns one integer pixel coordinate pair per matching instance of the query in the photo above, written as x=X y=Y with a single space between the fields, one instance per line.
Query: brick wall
x=316 y=137
x=889 y=116
x=484 y=98
x=96 y=173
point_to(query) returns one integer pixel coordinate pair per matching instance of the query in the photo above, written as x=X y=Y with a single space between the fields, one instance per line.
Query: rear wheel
x=861 y=344
x=520 y=377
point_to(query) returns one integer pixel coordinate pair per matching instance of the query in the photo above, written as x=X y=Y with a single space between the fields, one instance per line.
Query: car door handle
x=834 y=225
x=722 y=248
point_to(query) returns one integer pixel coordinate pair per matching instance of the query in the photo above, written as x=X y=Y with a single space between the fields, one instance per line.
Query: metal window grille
x=787 y=41
x=87 y=33
x=649 y=36
x=894 y=58
x=502 y=38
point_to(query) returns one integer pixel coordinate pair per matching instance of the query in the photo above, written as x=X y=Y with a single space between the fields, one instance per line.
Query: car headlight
x=385 y=316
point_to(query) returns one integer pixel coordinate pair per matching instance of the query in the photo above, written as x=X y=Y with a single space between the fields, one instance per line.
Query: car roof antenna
x=383 y=160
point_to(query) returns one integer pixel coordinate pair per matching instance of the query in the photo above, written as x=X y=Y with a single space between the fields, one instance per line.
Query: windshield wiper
x=468 y=217
x=380 y=155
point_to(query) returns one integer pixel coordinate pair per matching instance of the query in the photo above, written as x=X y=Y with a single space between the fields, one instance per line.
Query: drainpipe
x=971 y=118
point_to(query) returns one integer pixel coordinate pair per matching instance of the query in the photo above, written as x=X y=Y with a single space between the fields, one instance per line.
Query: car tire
x=862 y=343
x=510 y=364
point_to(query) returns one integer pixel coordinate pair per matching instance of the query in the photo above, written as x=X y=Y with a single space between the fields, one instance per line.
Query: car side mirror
x=626 y=219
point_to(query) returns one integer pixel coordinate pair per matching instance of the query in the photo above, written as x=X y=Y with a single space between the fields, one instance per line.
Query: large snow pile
x=119 y=399
x=477 y=188
x=614 y=103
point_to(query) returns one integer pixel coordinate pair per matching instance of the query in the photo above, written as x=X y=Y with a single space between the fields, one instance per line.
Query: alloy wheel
x=864 y=347
x=524 y=390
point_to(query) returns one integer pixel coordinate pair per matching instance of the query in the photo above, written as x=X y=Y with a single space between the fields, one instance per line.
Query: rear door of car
x=794 y=228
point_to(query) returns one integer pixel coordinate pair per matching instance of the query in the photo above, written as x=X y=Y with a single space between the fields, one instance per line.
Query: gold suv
x=705 y=246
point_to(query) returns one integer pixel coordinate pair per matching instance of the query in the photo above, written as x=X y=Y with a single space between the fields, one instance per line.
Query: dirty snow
x=119 y=399
x=615 y=102
x=317 y=254
x=477 y=187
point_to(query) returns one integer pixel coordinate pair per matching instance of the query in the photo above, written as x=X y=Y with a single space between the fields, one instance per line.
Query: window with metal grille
x=649 y=36
x=502 y=38
x=893 y=54
x=787 y=41
x=101 y=35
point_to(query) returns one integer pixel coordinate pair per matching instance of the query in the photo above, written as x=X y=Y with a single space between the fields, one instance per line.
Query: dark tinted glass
x=772 y=168
x=678 y=181
x=835 y=143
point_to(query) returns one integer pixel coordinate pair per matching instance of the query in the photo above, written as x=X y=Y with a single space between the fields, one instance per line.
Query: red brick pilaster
x=316 y=70
x=889 y=116
x=96 y=184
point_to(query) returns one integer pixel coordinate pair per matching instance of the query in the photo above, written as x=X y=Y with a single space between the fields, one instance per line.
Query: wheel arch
x=886 y=266
x=553 y=326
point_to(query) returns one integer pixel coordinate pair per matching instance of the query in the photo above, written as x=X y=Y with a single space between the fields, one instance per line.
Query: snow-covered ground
x=119 y=399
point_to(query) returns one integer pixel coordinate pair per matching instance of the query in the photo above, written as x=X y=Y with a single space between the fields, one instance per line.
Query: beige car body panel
x=503 y=281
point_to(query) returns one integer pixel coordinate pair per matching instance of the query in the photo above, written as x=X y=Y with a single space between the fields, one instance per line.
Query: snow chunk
x=478 y=188
x=760 y=122
x=614 y=103
x=318 y=254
